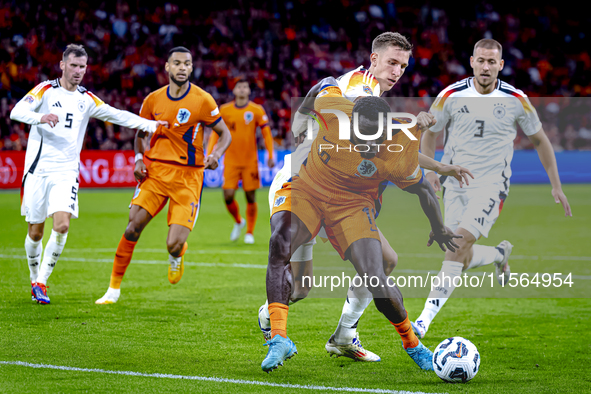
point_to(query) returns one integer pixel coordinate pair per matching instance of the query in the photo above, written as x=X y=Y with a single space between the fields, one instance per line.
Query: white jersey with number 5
x=480 y=129
x=57 y=149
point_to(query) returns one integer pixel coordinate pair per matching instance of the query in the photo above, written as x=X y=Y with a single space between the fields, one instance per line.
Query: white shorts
x=475 y=210
x=42 y=196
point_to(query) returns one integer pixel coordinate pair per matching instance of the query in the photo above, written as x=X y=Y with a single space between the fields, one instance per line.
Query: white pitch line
x=265 y=253
x=211 y=379
x=258 y=266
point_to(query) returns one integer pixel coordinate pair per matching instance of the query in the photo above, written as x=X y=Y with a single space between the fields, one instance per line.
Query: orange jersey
x=336 y=171
x=182 y=142
x=243 y=123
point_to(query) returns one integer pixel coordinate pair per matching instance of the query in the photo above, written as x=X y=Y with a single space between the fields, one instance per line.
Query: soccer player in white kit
x=58 y=112
x=480 y=114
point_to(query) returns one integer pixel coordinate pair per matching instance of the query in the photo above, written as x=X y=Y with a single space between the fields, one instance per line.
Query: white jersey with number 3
x=480 y=129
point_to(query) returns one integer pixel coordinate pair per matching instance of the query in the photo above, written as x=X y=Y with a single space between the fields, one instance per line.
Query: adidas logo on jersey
x=57 y=104
x=464 y=110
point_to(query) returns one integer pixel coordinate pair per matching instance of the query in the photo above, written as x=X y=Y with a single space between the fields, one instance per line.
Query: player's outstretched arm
x=439 y=233
x=548 y=159
x=211 y=161
x=106 y=113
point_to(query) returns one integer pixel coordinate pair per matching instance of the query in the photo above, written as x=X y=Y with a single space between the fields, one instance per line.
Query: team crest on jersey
x=279 y=201
x=248 y=117
x=499 y=111
x=367 y=90
x=183 y=115
x=81 y=106
x=366 y=168
x=29 y=99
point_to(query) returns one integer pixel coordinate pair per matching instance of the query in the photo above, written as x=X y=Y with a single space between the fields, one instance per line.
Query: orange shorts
x=249 y=174
x=182 y=185
x=345 y=221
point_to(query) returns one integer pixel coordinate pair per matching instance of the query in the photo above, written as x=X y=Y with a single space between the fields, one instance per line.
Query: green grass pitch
x=206 y=325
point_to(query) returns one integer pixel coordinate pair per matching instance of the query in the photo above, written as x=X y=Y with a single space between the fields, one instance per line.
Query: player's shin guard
x=122 y=260
x=234 y=211
x=442 y=287
x=53 y=250
x=278 y=316
x=404 y=329
x=251 y=216
x=34 y=250
x=358 y=298
x=484 y=255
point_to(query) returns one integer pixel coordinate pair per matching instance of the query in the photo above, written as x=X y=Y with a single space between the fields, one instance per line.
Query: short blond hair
x=389 y=38
x=489 y=43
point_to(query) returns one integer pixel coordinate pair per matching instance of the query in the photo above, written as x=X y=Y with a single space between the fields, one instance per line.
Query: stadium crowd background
x=284 y=47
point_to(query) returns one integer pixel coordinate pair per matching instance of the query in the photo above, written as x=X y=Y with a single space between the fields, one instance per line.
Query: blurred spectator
x=285 y=47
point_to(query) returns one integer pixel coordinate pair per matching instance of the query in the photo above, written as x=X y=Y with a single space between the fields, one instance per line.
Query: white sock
x=174 y=261
x=484 y=255
x=358 y=298
x=34 y=250
x=53 y=250
x=439 y=294
x=266 y=310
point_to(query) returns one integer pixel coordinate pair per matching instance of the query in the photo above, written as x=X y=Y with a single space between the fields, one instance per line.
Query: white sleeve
x=25 y=110
x=440 y=109
x=528 y=117
x=106 y=113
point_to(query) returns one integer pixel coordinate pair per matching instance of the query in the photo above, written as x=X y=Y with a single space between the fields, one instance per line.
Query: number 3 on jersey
x=480 y=128
x=189 y=137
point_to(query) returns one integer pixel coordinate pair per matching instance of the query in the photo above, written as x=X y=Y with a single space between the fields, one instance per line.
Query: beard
x=176 y=82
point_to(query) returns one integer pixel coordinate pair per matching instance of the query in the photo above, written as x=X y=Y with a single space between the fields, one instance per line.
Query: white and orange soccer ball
x=456 y=360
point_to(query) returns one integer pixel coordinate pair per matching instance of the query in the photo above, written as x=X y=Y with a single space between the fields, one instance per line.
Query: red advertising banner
x=97 y=169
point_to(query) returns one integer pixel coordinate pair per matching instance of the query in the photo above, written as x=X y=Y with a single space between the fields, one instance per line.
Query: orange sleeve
x=146 y=110
x=263 y=123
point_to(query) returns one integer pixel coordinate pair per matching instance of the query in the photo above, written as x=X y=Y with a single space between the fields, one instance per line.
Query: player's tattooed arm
x=211 y=161
x=439 y=233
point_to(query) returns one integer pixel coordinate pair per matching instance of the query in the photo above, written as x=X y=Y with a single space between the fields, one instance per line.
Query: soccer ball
x=456 y=360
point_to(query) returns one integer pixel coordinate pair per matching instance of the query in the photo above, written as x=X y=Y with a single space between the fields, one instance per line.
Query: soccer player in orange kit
x=176 y=166
x=241 y=160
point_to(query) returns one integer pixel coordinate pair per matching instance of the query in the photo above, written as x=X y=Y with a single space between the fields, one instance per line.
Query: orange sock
x=251 y=216
x=234 y=211
x=409 y=339
x=122 y=260
x=183 y=250
x=278 y=316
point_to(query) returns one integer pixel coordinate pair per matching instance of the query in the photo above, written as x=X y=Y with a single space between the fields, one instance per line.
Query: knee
x=300 y=291
x=133 y=231
x=229 y=200
x=250 y=197
x=61 y=228
x=36 y=235
x=462 y=254
x=174 y=247
x=390 y=263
